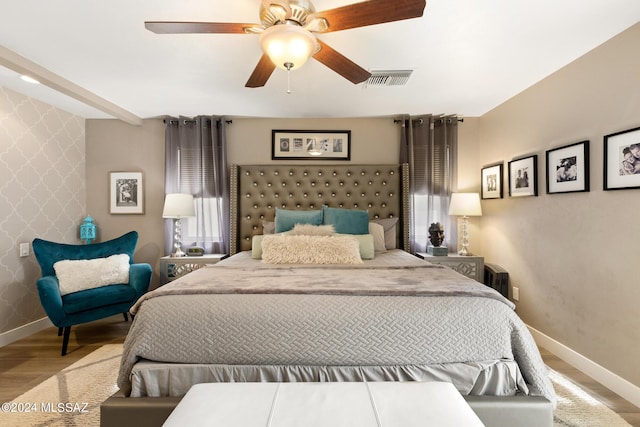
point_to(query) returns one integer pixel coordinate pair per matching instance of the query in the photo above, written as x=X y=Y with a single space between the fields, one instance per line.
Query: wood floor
x=29 y=361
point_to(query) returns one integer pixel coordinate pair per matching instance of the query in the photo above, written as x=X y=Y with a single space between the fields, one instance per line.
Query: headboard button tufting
x=261 y=187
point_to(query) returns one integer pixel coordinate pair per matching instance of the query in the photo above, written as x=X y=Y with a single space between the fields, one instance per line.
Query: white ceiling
x=468 y=56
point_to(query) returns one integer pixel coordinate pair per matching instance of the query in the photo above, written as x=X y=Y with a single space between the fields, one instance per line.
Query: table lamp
x=465 y=205
x=178 y=206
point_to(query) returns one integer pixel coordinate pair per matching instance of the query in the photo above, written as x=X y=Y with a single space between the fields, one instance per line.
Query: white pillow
x=82 y=274
x=390 y=232
x=268 y=227
x=377 y=231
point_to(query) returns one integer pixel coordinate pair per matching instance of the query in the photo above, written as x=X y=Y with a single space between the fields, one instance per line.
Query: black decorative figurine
x=436 y=237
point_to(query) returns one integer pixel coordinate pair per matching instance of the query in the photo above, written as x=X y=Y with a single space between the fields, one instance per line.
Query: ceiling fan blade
x=341 y=64
x=261 y=73
x=166 y=27
x=370 y=13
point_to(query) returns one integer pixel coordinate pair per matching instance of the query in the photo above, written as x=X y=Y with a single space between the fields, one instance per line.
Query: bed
x=388 y=317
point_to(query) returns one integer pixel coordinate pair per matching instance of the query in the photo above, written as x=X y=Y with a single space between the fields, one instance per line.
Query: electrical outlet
x=24 y=249
x=516 y=294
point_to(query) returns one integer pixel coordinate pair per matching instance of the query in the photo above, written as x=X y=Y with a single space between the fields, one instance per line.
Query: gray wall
x=573 y=256
x=115 y=146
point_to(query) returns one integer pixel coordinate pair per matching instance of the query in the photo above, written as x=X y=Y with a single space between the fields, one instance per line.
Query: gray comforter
x=407 y=314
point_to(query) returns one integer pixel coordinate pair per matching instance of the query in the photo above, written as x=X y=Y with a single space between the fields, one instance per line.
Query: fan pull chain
x=288 y=66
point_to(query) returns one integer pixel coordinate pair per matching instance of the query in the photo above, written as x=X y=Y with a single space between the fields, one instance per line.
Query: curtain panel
x=429 y=144
x=196 y=163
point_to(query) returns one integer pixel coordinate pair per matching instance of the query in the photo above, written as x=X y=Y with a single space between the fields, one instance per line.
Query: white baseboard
x=612 y=381
x=24 y=331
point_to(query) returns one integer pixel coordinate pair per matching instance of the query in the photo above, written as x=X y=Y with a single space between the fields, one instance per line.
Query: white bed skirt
x=496 y=378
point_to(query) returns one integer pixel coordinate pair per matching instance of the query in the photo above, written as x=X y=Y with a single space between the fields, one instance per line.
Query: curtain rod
x=460 y=119
x=175 y=122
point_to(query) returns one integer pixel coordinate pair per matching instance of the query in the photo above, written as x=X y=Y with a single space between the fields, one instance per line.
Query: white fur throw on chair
x=79 y=275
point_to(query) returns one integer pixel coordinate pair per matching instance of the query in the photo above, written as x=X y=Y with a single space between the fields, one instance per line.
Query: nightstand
x=470 y=266
x=172 y=268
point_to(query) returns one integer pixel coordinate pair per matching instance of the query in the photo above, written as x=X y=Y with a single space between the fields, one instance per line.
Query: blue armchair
x=90 y=304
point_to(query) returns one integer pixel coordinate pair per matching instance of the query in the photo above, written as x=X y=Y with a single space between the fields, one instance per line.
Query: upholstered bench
x=387 y=404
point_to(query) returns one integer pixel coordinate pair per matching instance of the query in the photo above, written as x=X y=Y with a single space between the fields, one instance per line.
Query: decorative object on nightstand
x=436 y=237
x=178 y=206
x=195 y=251
x=465 y=205
x=88 y=230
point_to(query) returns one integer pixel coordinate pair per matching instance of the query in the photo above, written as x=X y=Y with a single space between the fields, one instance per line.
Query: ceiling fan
x=286 y=32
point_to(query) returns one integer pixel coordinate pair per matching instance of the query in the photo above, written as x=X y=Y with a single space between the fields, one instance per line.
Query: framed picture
x=311 y=144
x=523 y=176
x=568 y=168
x=622 y=160
x=126 y=193
x=492 y=181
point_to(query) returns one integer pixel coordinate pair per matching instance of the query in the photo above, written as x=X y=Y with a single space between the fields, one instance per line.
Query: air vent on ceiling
x=388 y=77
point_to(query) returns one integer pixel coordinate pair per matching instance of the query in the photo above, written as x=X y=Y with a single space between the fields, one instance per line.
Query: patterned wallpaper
x=42 y=194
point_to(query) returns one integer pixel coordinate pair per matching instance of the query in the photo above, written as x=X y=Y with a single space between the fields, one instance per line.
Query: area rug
x=576 y=408
x=73 y=396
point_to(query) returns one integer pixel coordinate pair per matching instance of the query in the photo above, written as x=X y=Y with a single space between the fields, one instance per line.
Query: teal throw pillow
x=287 y=219
x=347 y=221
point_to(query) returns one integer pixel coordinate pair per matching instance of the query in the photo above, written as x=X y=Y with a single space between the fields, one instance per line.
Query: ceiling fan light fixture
x=288 y=45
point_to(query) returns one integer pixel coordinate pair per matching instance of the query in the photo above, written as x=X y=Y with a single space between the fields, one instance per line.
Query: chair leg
x=59 y=332
x=126 y=316
x=65 y=339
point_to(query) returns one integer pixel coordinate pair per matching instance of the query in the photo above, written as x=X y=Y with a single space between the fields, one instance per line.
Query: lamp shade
x=178 y=205
x=288 y=46
x=465 y=204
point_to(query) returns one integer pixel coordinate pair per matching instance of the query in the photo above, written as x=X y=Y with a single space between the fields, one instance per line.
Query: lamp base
x=464 y=252
x=177 y=239
x=465 y=237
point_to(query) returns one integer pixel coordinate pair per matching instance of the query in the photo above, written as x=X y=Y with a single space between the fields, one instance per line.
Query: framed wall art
x=622 y=160
x=310 y=144
x=126 y=195
x=568 y=168
x=492 y=181
x=523 y=176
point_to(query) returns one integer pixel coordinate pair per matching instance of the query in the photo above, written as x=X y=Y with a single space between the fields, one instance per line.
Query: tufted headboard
x=256 y=190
